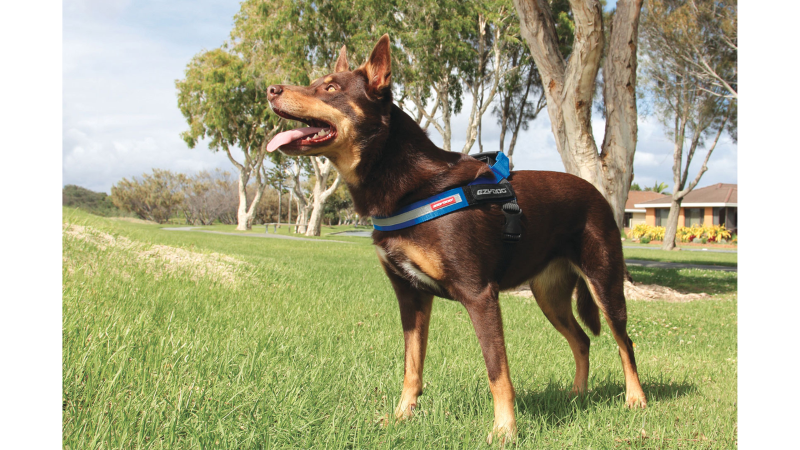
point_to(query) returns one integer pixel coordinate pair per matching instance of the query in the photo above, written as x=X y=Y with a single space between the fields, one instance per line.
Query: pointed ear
x=341 y=63
x=379 y=66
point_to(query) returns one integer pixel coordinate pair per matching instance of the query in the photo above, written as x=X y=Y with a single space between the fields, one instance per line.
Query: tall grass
x=194 y=340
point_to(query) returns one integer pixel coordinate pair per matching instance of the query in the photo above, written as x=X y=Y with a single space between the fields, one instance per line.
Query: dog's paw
x=636 y=401
x=503 y=435
x=404 y=412
x=578 y=390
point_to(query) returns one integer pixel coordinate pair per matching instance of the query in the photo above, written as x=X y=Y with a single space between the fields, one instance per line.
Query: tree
x=435 y=51
x=701 y=35
x=570 y=85
x=321 y=192
x=514 y=111
x=209 y=197
x=491 y=63
x=659 y=188
x=98 y=203
x=635 y=187
x=223 y=97
x=694 y=108
x=155 y=197
x=295 y=40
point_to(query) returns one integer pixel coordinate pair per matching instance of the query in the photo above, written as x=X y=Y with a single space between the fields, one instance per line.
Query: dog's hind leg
x=552 y=289
x=604 y=277
x=484 y=311
x=415 y=315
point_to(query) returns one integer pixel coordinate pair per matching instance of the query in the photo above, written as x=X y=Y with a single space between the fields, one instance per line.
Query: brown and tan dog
x=569 y=234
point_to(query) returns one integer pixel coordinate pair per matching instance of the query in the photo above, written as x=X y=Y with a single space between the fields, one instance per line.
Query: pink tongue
x=291 y=135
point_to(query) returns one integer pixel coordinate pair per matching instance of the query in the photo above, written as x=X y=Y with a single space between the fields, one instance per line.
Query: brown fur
x=569 y=234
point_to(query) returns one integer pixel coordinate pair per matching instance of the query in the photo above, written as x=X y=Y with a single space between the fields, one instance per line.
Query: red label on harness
x=442 y=203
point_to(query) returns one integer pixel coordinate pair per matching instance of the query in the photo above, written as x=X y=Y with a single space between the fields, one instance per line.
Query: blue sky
x=120 y=115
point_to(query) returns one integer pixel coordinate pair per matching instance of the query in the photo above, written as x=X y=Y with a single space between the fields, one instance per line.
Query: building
x=715 y=204
x=633 y=215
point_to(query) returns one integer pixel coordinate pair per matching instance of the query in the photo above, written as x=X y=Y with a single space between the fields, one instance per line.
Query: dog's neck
x=406 y=166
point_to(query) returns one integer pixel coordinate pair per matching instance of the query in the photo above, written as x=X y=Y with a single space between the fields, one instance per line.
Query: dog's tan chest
x=413 y=262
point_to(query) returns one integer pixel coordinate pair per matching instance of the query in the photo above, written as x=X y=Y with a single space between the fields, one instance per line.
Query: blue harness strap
x=495 y=189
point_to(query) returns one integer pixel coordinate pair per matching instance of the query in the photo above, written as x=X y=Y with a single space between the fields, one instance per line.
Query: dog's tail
x=587 y=308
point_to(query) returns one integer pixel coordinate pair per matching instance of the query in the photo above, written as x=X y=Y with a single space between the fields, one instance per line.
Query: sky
x=120 y=116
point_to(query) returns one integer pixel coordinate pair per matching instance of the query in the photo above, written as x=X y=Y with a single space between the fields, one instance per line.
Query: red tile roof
x=716 y=193
x=635 y=197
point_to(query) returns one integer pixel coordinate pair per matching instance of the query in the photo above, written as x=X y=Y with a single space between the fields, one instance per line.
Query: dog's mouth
x=317 y=133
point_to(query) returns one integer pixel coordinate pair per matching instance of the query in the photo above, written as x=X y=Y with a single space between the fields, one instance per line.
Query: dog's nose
x=274 y=91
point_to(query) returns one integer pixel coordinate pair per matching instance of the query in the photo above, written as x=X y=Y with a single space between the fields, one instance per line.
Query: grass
x=650 y=254
x=703 y=258
x=196 y=340
x=326 y=232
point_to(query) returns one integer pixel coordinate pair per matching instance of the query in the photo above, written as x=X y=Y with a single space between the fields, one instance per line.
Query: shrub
x=645 y=239
x=652 y=233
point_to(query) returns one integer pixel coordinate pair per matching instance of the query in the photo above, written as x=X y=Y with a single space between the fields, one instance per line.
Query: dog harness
x=482 y=190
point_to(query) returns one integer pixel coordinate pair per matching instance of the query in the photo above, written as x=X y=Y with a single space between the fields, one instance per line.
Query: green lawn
x=196 y=340
x=326 y=233
x=686 y=257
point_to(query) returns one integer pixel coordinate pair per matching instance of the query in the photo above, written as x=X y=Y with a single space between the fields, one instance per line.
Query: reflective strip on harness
x=422 y=211
x=449 y=201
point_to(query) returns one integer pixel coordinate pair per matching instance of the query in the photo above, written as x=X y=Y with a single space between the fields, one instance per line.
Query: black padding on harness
x=496 y=193
x=483 y=193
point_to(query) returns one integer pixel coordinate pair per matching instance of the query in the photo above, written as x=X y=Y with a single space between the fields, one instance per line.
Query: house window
x=628 y=219
x=661 y=217
x=719 y=216
x=694 y=216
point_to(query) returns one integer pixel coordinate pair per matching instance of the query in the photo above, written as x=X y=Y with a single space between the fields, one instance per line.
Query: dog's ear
x=341 y=63
x=379 y=67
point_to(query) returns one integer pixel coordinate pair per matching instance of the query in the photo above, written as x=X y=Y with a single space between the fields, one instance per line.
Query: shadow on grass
x=557 y=407
x=687 y=280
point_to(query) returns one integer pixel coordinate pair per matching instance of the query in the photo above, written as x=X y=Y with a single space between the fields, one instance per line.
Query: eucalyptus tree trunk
x=672 y=223
x=322 y=171
x=245 y=213
x=569 y=86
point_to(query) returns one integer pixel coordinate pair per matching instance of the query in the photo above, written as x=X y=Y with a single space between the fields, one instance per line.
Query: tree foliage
x=98 y=203
x=681 y=38
x=155 y=197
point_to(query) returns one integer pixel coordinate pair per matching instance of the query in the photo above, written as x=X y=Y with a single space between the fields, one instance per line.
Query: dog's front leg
x=484 y=311
x=415 y=315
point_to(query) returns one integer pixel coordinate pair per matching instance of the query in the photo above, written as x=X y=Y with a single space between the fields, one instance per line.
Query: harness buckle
x=512 y=229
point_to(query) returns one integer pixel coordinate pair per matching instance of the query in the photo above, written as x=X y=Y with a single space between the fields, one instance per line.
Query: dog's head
x=345 y=110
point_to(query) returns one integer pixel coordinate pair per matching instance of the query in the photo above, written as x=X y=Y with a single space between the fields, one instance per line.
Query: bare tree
x=685 y=100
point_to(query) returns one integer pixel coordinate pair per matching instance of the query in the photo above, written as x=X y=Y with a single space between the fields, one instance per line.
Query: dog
x=569 y=240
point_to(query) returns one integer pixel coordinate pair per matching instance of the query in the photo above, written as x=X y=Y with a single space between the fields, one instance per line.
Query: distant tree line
x=98 y=203
x=206 y=198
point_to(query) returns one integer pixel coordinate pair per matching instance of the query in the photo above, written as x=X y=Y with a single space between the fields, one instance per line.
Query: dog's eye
x=330 y=88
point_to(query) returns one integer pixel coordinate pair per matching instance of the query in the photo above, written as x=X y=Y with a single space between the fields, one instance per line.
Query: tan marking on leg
x=416 y=343
x=505 y=423
x=552 y=289
x=634 y=395
x=428 y=261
